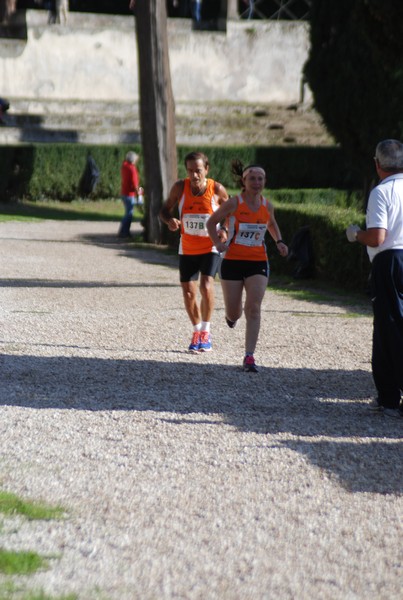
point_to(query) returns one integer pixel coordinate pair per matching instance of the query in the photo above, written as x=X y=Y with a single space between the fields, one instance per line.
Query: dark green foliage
x=331 y=197
x=54 y=171
x=286 y=167
x=355 y=72
x=337 y=261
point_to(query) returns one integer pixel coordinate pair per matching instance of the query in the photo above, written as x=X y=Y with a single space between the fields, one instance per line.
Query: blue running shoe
x=205 y=342
x=195 y=342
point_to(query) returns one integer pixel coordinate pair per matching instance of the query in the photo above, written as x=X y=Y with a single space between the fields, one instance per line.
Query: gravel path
x=182 y=476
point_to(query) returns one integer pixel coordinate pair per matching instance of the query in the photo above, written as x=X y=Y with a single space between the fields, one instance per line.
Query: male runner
x=196 y=198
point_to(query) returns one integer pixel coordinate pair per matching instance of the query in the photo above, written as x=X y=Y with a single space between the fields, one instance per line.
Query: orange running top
x=247 y=230
x=194 y=212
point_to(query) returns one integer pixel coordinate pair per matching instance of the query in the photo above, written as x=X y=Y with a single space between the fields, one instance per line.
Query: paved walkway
x=182 y=476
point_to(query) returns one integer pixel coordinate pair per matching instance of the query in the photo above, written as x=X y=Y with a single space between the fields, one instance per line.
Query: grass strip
x=77 y=210
x=21 y=563
x=10 y=504
x=10 y=591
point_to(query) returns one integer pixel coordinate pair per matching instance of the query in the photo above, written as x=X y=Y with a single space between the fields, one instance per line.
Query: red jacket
x=130 y=179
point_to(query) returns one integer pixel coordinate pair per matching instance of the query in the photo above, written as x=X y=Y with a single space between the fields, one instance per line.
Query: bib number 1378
x=195 y=224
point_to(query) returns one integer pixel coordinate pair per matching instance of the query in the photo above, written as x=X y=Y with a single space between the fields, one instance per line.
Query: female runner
x=245 y=264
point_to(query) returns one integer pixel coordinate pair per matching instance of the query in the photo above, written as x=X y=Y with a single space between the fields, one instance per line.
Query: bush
x=328 y=197
x=287 y=167
x=337 y=261
x=54 y=171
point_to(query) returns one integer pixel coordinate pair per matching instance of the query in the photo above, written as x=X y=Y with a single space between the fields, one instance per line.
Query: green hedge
x=286 y=167
x=54 y=171
x=337 y=261
x=327 y=197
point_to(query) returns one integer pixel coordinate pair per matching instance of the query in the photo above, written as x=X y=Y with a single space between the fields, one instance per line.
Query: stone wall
x=94 y=57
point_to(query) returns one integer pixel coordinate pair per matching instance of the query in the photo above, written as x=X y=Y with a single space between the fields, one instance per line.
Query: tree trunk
x=232 y=9
x=157 y=111
x=7 y=9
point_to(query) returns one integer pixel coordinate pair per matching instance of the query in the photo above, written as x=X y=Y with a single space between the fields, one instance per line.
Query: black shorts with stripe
x=238 y=270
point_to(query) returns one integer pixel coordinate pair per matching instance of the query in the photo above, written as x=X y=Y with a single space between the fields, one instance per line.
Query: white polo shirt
x=385 y=211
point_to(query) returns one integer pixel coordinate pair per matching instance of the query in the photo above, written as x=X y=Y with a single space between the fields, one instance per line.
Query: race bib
x=195 y=224
x=251 y=234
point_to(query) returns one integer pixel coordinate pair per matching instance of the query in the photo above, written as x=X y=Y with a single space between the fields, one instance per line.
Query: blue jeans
x=196 y=10
x=128 y=202
x=251 y=9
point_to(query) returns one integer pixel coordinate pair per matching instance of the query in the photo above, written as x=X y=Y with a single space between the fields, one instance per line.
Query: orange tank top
x=247 y=230
x=194 y=212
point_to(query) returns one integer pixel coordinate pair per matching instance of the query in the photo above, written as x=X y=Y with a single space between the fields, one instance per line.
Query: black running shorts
x=238 y=270
x=190 y=265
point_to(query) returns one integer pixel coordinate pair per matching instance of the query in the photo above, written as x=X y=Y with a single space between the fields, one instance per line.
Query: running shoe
x=249 y=364
x=375 y=406
x=205 y=342
x=396 y=413
x=230 y=324
x=195 y=342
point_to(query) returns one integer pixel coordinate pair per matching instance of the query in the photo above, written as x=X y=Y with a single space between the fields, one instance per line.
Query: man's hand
x=351 y=232
x=223 y=235
x=221 y=247
x=173 y=224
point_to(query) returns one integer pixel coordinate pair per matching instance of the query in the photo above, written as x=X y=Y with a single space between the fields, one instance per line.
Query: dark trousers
x=387 y=341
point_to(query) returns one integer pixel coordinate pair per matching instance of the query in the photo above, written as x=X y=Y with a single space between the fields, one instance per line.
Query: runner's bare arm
x=220 y=192
x=274 y=230
x=221 y=196
x=219 y=216
x=169 y=205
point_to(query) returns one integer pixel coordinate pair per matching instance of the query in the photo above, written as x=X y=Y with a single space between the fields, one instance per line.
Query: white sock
x=197 y=327
x=205 y=326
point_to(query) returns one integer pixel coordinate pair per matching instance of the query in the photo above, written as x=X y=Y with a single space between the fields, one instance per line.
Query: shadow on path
x=322 y=404
x=68 y=283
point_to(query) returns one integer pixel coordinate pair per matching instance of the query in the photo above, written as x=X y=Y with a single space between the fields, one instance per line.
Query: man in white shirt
x=384 y=240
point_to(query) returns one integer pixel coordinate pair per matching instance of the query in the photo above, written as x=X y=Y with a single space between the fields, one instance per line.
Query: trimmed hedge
x=287 y=167
x=54 y=171
x=336 y=260
x=41 y=171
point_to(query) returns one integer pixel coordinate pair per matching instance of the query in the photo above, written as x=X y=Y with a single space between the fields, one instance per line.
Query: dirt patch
x=265 y=125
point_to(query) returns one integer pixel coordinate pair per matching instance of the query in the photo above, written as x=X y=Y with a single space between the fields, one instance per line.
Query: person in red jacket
x=131 y=192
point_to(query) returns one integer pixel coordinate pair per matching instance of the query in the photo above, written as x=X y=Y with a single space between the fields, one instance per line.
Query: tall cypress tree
x=355 y=71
